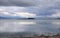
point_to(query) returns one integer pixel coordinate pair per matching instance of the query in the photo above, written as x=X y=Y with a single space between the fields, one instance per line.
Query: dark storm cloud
x=4 y=3
x=23 y=3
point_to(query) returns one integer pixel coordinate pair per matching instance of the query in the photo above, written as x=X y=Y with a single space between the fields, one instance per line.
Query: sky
x=30 y=8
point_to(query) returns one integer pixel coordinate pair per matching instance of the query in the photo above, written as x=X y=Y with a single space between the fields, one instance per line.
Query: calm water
x=37 y=26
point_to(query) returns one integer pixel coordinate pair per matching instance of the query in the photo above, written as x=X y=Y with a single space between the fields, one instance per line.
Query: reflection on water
x=56 y=22
x=25 y=23
x=38 y=26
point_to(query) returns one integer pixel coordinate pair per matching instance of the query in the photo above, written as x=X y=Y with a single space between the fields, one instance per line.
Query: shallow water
x=37 y=26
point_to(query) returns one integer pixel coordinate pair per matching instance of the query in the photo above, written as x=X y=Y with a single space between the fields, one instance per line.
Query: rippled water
x=37 y=26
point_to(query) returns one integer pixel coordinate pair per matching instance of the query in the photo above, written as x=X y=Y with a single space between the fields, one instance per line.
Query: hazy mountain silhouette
x=1 y=17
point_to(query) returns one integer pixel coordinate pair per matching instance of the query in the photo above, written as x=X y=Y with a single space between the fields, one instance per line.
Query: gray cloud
x=18 y=3
x=40 y=7
x=24 y=3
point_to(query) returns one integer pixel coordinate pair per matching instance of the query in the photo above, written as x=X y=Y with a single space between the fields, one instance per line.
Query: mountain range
x=28 y=18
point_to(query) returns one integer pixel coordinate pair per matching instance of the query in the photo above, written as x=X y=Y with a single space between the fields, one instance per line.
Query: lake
x=35 y=26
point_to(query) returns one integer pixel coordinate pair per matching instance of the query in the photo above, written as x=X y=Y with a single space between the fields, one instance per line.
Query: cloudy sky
x=30 y=8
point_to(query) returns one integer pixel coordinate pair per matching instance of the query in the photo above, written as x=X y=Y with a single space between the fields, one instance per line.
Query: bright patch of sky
x=16 y=11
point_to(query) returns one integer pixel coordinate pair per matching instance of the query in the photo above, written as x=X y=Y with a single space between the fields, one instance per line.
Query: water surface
x=37 y=26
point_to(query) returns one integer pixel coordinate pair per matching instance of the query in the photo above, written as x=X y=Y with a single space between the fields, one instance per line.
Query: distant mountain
x=14 y=18
x=49 y=18
x=43 y=18
x=2 y=17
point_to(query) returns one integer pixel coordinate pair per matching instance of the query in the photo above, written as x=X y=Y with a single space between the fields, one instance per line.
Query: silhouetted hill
x=2 y=17
x=41 y=18
x=14 y=18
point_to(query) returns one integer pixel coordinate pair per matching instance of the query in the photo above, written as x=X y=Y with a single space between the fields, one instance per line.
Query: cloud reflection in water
x=15 y=26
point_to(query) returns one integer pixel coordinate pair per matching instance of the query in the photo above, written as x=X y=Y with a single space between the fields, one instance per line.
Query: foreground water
x=36 y=26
